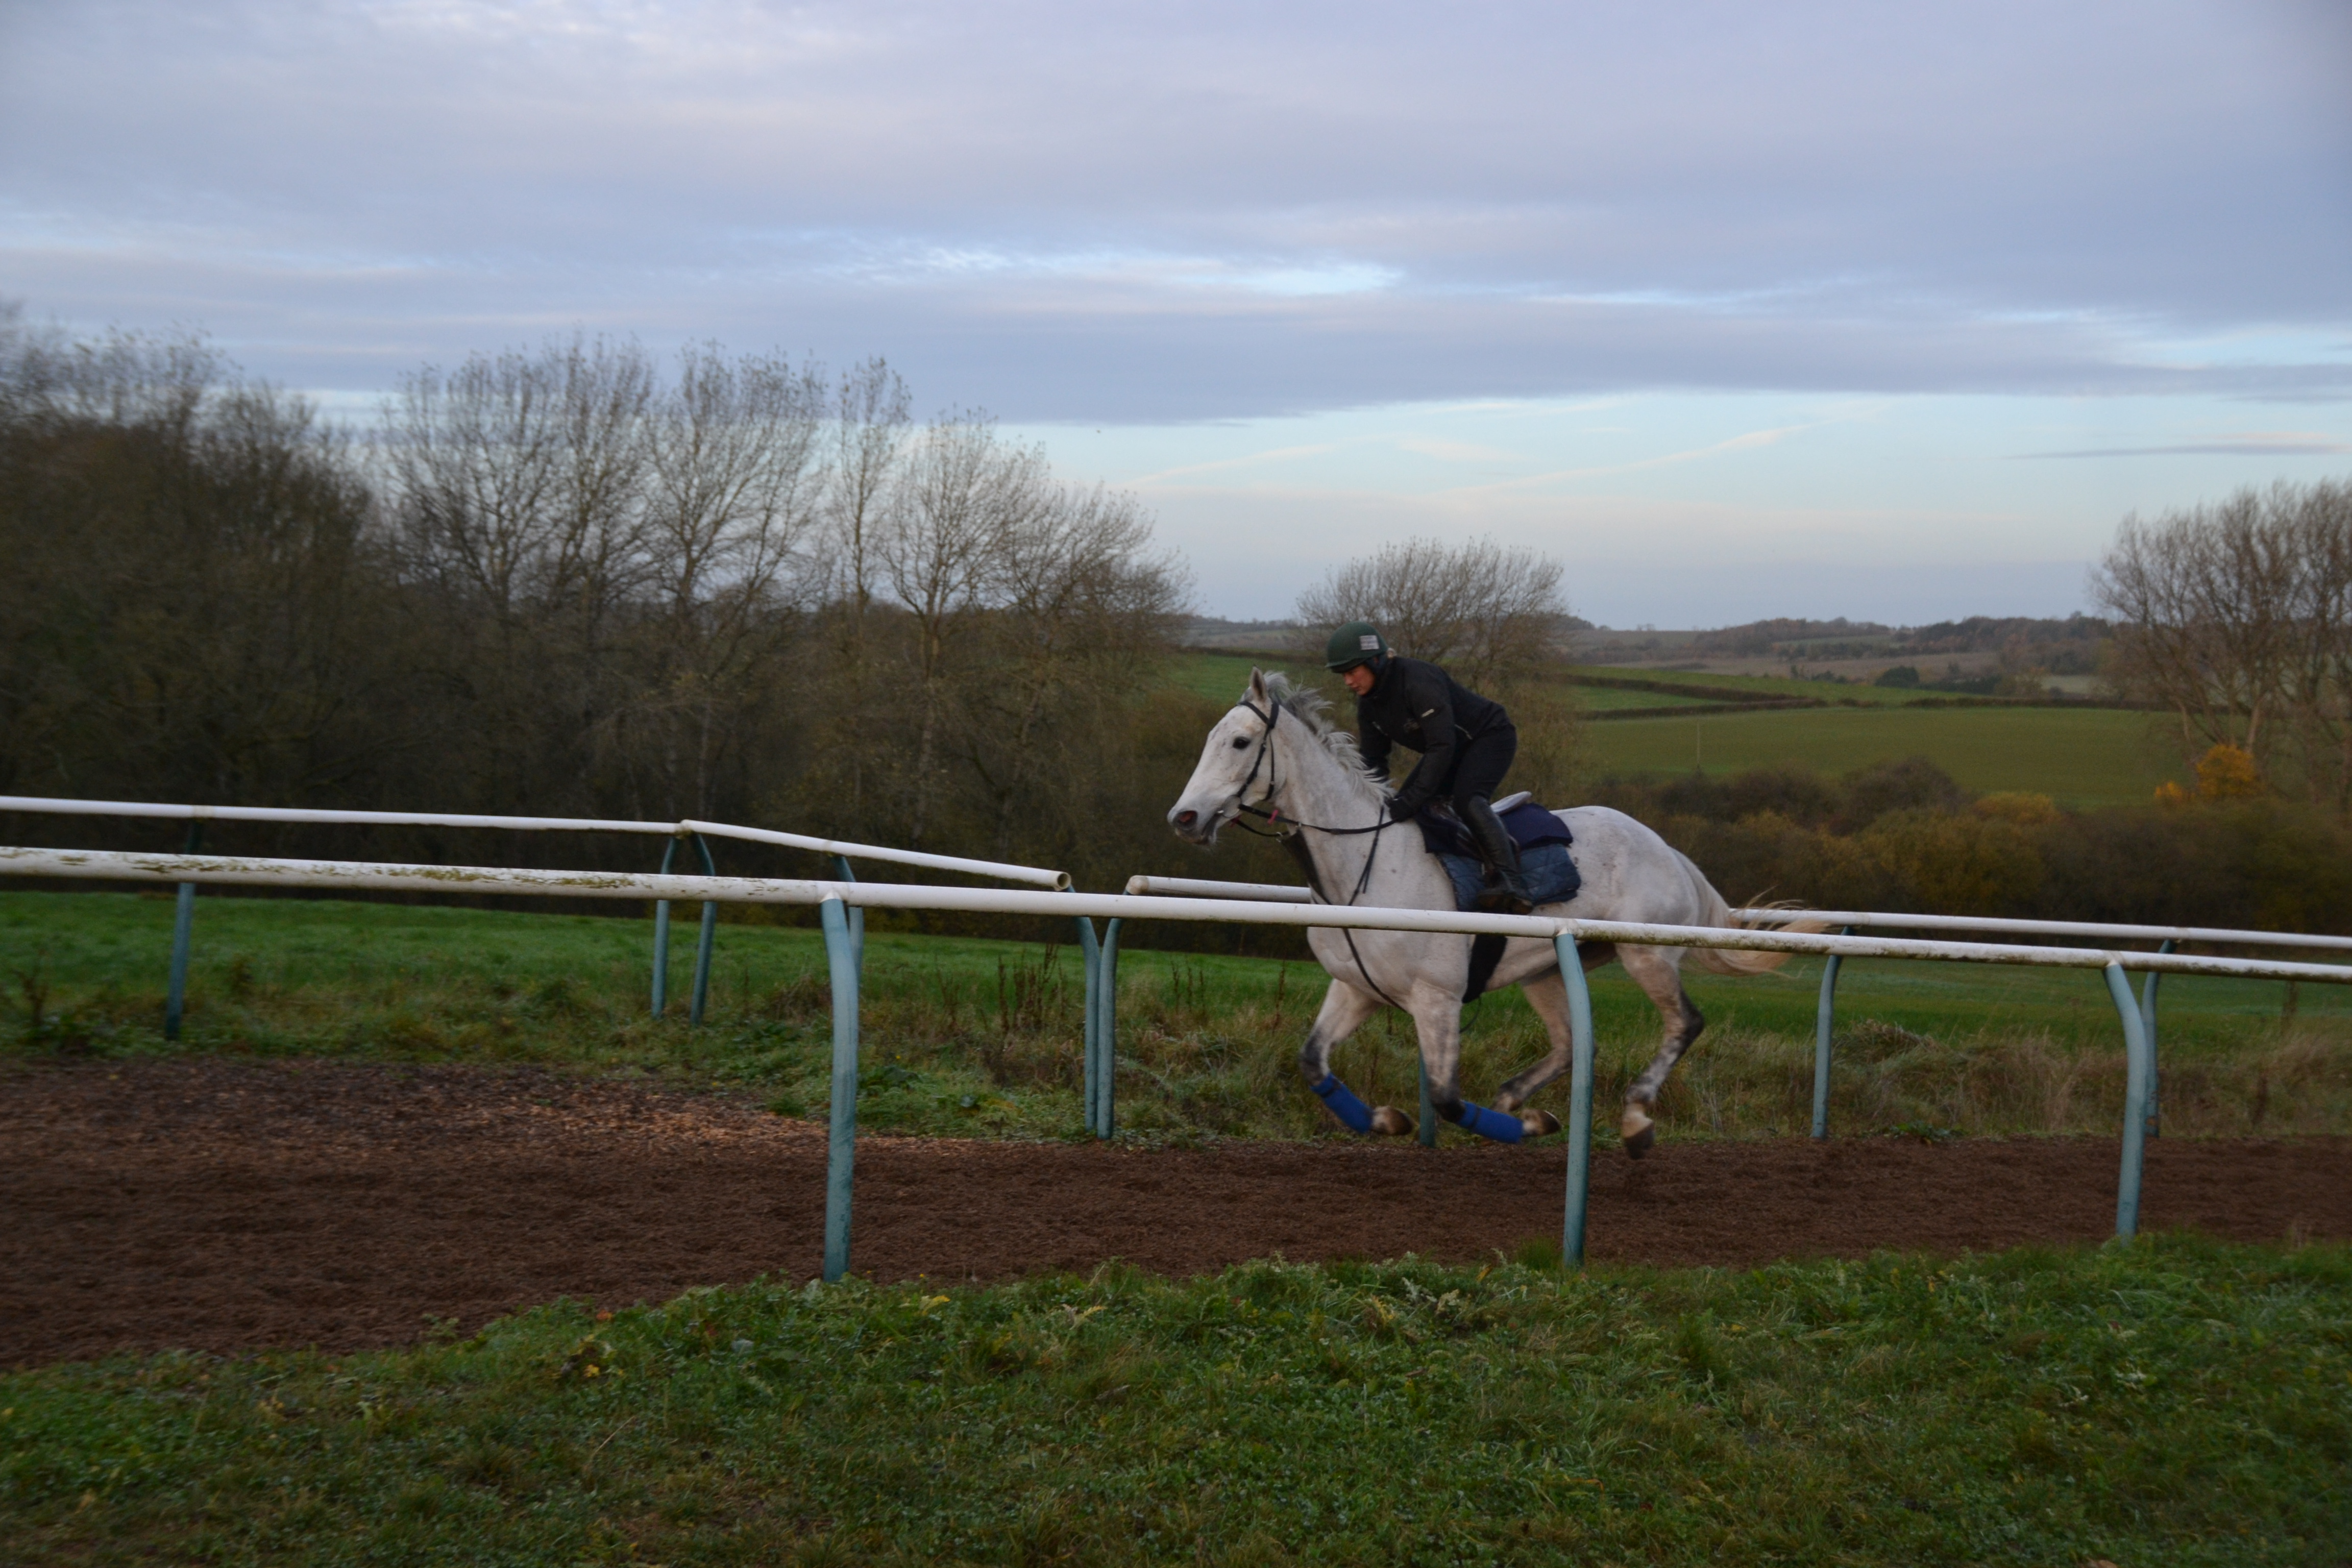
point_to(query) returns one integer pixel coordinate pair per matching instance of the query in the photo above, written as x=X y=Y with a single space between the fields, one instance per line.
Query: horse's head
x=1233 y=764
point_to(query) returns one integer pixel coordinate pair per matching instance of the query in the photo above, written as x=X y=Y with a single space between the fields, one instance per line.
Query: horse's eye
x=1240 y=742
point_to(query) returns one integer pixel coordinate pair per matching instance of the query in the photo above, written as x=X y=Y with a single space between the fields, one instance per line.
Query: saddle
x=1542 y=840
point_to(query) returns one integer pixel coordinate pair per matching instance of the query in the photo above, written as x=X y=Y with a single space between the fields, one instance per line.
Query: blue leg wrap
x=1491 y=1125
x=1344 y=1104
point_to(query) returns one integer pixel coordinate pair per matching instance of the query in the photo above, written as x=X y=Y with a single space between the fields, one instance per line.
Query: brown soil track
x=228 y=1206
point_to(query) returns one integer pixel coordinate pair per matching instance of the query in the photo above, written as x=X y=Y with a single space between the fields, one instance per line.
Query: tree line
x=578 y=580
x=2235 y=620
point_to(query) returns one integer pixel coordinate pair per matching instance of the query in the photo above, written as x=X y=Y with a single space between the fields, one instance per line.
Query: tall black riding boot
x=1507 y=886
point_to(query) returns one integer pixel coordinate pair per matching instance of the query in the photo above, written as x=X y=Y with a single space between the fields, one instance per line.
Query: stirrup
x=1505 y=895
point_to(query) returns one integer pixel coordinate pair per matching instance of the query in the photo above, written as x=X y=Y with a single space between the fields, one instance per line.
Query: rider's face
x=1360 y=678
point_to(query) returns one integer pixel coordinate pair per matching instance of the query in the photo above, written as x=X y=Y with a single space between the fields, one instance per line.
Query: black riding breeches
x=1479 y=765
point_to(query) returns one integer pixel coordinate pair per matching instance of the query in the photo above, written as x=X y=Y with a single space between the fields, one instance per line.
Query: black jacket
x=1417 y=705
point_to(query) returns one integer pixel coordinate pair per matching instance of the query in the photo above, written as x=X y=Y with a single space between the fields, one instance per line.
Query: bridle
x=1271 y=715
x=1264 y=759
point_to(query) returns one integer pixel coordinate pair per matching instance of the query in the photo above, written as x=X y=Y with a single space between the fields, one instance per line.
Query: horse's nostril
x=1186 y=818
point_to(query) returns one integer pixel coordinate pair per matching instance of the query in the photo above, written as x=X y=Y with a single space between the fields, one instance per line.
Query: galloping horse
x=1279 y=755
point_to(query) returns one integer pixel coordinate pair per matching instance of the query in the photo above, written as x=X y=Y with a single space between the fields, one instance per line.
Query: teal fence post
x=857 y=915
x=841 y=1136
x=702 y=949
x=184 y=919
x=2139 y=1062
x=1107 y=1030
x=1580 y=1099
x=1089 y=1058
x=2147 y=1021
x=1824 y=1024
x=661 y=938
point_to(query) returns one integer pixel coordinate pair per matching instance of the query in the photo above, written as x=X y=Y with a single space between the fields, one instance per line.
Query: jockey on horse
x=1465 y=741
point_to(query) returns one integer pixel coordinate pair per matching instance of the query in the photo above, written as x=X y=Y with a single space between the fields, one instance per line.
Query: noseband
x=1264 y=759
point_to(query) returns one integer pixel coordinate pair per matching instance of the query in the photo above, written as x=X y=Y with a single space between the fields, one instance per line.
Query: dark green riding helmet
x=1358 y=642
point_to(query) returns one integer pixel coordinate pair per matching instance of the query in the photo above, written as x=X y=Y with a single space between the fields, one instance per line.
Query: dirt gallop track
x=228 y=1206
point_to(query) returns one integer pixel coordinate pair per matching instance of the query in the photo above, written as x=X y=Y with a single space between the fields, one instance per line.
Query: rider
x=1465 y=741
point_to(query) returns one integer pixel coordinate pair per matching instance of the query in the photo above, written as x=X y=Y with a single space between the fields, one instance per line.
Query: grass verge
x=2168 y=1402
x=977 y=1037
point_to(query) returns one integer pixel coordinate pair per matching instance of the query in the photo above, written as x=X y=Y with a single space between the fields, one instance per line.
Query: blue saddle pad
x=1550 y=874
x=1528 y=825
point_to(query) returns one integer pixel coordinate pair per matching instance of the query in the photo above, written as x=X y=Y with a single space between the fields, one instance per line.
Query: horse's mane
x=1310 y=708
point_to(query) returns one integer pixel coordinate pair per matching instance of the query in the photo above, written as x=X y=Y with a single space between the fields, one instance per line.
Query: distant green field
x=1758 y=686
x=1604 y=699
x=2081 y=757
x=1221 y=676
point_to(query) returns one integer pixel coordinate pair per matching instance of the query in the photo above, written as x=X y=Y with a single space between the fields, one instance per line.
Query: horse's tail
x=1737 y=961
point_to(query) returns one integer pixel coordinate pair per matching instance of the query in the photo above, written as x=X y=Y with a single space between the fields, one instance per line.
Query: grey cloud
x=1075 y=211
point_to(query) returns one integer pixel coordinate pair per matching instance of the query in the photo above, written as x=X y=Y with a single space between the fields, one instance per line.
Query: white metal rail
x=694 y=832
x=1000 y=870
x=837 y=899
x=1880 y=919
x=1825 y=1011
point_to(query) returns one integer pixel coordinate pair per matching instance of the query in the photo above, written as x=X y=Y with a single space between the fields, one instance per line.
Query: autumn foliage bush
x=1903 y=835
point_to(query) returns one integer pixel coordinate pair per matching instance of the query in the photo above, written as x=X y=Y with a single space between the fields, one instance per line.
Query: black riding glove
x=1405 y=804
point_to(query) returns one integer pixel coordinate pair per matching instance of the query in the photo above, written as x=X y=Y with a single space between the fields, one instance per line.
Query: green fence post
x=1107 y=1030
x=184 y=919
x=2147 y=1021
x=1089 y=1059
x=702 y=949
x=661 y=938
x=857 y=915
x=841 y=1138
x=2139 y=1060
x=1824 y=1023
x=1580 y=1099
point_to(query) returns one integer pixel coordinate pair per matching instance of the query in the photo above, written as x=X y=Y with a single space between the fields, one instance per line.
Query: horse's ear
x=1257 y=686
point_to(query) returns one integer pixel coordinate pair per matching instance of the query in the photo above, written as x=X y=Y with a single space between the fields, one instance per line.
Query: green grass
x=1763 y=685
x=2080 y=757
x=1221 y=676
x=979 y=1038
x=1608 y=699
x=2167 y=1402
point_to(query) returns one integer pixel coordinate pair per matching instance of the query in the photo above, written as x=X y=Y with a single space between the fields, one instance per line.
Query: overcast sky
x=1886 y=310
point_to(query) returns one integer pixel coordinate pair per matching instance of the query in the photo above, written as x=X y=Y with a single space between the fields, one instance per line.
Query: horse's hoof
x=1539 y=1123
x=1638 y=1144
x=1388 y=1119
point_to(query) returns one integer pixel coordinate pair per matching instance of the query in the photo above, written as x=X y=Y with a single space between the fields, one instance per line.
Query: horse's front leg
x=1344 y=1010
x=1438 y=1013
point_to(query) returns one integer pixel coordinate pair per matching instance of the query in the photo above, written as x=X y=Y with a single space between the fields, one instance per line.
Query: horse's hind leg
x=1659 y=976
x=1547 y=996
x=1344 y=1010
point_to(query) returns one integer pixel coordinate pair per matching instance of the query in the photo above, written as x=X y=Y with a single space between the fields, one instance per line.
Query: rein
x=1297 y=847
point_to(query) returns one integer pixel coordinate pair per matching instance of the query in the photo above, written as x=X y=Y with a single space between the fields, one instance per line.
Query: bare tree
x=1078 y=608
x=735 y=479
x=871 y=424
x=477 y=459
x=1488 y=613
x=2237 y=618
x=965 y=493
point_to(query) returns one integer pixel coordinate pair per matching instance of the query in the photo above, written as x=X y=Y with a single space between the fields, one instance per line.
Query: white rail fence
x=838 y=900
x=677 y=832
x=2169 y=938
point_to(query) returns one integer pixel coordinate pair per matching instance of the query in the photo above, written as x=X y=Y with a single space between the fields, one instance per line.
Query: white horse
x=1279 y=755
